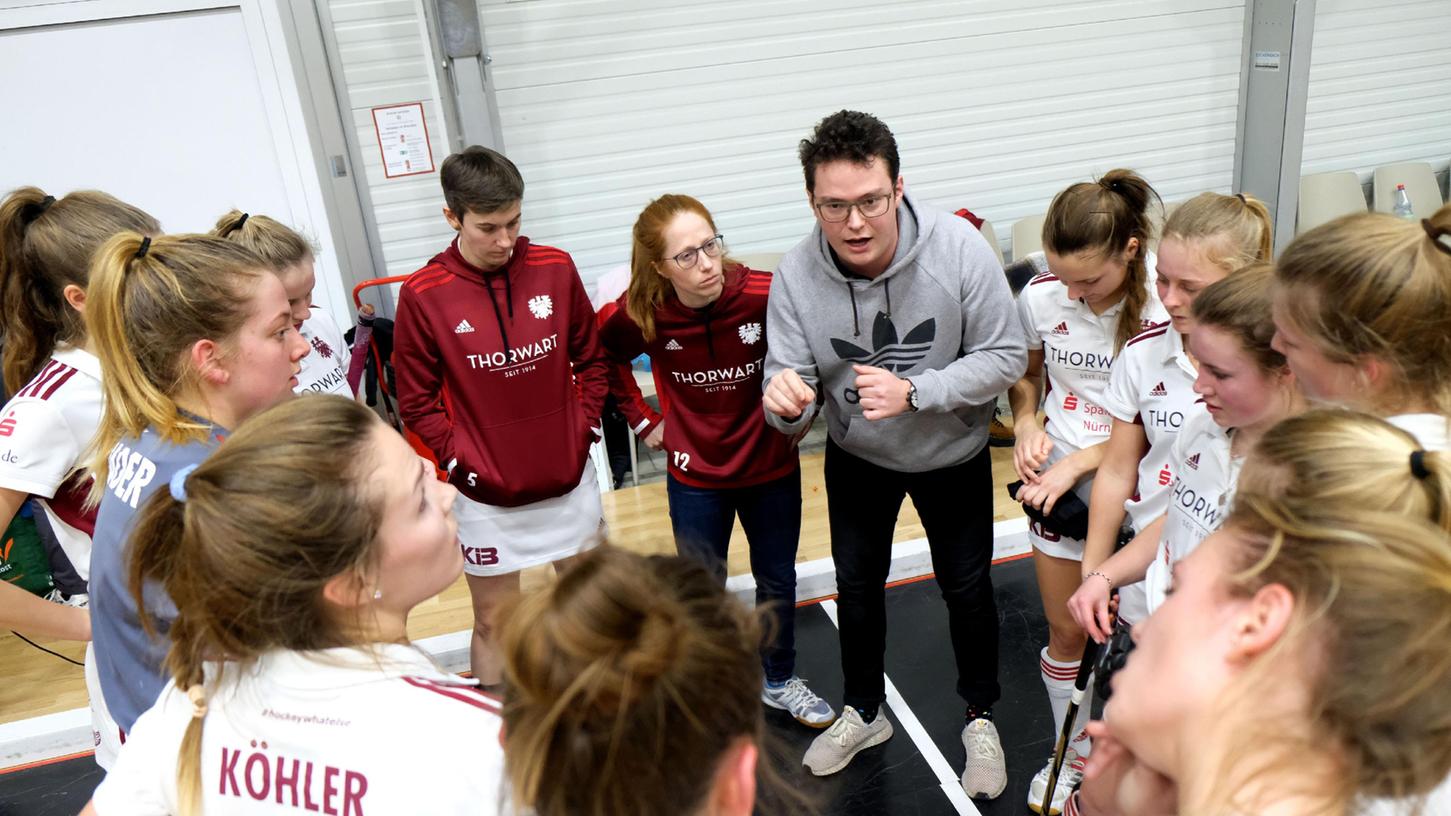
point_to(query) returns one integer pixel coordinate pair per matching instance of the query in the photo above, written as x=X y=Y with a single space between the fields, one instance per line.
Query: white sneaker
x=1068 y=778
x=985 y=774
x=800 y=702
x=848 y=736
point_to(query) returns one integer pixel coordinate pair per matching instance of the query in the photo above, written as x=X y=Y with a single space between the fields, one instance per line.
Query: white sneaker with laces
x=985 y=774
x=800 y=702
x=1068 y=778
x=848 y=736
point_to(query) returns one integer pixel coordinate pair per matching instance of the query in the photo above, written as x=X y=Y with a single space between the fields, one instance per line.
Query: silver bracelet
x=1101 y=575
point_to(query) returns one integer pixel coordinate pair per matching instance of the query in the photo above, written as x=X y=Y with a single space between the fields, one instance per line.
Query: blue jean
x=770 y=513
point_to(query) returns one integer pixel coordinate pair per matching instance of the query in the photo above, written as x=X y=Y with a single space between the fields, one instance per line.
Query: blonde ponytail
x=149 y=300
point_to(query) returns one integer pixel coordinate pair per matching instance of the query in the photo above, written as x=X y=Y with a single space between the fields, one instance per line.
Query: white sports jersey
x=44 y=429
x=349 y=732
x=1431 y=430
x=1199 y=500
x=325 y=368
x=1077 y=350
x=1151 y=384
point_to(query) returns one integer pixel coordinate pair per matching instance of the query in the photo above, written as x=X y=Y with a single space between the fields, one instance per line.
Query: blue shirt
x=130 y=663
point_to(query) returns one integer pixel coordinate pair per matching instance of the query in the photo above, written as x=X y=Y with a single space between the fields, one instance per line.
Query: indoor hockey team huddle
x=1234 y=465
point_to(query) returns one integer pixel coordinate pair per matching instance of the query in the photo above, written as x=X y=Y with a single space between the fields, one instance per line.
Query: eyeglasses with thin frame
x=687 y=259
x=871 y=206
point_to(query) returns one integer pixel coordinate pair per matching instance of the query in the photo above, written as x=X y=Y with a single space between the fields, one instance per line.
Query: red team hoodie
x=708 y=364
x=502 y=371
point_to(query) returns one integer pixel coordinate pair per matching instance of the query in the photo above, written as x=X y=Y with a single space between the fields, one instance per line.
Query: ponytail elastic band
x=145 y=245
x=198 y=698
x=33 y=212
x=238 y=225
x=1418 y=464
x=1440 y=237
x=1241 y=198
x=178 y=483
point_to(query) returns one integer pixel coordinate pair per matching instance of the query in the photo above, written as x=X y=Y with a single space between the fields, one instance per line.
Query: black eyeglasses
x=688 y=258
x=870 y=207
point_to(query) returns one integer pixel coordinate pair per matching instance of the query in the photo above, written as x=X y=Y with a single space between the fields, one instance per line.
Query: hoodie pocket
x=525 y=461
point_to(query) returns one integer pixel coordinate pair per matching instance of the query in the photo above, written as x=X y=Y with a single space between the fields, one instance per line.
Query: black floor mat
x=892 y=780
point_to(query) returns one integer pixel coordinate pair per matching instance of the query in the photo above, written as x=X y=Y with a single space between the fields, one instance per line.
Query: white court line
x=947 y=778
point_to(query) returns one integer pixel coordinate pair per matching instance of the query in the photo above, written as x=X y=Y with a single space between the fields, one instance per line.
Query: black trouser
x=955 y=505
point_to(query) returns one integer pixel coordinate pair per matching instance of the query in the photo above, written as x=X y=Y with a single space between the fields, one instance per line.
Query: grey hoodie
x=941 y=315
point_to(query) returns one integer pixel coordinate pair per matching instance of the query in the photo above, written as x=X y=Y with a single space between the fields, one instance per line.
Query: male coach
x=898 y=320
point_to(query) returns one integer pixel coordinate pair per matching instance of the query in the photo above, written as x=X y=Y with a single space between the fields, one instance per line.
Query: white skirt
x=504 y=540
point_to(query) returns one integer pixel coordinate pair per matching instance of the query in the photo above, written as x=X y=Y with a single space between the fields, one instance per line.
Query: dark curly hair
x=851 y=135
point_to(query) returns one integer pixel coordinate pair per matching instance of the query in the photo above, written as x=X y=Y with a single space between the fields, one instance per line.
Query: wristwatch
x=912 y=396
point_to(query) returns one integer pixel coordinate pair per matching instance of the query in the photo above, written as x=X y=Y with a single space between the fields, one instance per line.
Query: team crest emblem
x=541 y=306
x=750 y=333
x=323 y=349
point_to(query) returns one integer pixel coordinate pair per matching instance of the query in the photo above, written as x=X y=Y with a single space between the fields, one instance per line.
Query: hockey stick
x=1080 y=687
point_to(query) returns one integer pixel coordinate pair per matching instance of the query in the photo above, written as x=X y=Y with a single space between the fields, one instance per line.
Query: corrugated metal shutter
x=386 y=60
x=996 y=105
x=1380 y=85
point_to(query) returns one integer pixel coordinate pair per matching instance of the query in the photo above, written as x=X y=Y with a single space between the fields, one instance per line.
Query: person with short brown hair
x=501 y=374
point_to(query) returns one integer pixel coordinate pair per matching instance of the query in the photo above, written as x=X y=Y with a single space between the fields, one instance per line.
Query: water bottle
x=1402 y=207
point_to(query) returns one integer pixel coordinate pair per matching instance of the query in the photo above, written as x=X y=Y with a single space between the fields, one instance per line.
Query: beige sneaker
x=985 y=775
x=848 y=736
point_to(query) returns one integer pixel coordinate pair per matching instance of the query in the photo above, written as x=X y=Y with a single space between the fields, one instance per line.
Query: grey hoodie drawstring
x=856 y=329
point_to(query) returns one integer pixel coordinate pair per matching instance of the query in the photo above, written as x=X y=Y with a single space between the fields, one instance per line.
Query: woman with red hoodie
x=702 y=319
x=500 y=373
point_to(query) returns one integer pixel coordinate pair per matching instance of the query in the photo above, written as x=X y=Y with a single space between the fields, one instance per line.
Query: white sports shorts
x=504 y=540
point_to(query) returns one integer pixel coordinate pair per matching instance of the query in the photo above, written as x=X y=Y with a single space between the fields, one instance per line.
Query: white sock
x=1058 y=677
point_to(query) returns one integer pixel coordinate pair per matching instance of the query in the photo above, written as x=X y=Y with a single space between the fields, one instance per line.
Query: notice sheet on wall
x=403 y=140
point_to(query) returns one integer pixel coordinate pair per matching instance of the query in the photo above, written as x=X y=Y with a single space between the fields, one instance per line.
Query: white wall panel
x=1380 y=85
x=383 y=49
x=996 y=105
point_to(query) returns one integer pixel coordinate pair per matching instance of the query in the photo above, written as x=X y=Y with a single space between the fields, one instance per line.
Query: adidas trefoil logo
x=463 y=327
x=750 y=333
x=673 y=345
x=1193 y=461
x=1061 y=329
x=887 y=351
x=1159 y=391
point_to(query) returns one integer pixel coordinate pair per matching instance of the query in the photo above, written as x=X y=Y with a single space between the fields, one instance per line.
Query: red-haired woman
x=701 y=318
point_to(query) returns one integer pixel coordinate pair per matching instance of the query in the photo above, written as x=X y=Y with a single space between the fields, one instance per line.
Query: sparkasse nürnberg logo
x=541 y=306
x=750 y=333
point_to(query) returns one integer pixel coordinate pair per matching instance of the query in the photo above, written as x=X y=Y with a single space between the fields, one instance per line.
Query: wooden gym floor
x=37 y=683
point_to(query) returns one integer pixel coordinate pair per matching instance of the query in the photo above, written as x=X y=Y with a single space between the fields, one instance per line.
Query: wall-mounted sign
x=403 y=140
x=1265 y=61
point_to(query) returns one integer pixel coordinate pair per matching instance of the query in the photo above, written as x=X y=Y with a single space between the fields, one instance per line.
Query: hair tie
x=1241 y=198
x=238 y=225
x=1418 y=464
x=145 y=245
x=198 y=699
x=1440 y=238
x=30 y=214
x=178 y=483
